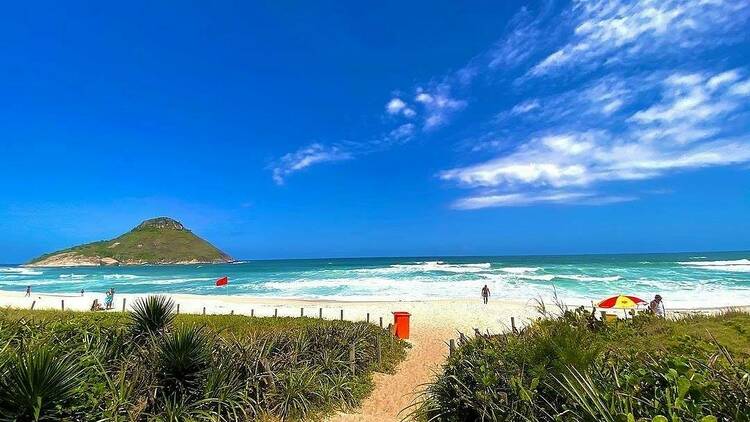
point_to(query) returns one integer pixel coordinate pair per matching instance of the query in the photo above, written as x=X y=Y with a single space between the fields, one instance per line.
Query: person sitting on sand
x=485 y=294
x=95 y=306
x=656 y=307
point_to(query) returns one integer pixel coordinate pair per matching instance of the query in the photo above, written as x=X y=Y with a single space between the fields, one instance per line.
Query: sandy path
x=395 y=392
x=432 y=326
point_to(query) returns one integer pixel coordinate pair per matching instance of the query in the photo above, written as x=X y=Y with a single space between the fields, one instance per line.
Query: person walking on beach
x=656 y=307
x=485 y=294
x=28 y=291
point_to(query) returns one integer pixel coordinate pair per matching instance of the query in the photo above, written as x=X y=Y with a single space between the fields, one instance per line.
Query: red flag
x=222 y=281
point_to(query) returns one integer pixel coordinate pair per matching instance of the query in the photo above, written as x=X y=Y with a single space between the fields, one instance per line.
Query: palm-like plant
x=152 y=314
x=183 y=358
x=296 y=393
x=226 y=394
x=34 y=383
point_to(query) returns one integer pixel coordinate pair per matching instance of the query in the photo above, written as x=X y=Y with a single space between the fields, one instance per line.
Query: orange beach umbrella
x=620 y=302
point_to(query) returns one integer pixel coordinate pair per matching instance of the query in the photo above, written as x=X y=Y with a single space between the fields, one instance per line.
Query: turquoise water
x=689 y=279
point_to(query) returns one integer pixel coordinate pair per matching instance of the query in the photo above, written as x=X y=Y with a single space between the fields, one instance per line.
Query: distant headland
x=157 y=241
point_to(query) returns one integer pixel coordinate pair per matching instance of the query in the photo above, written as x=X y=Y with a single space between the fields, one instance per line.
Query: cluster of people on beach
x=109 y=298
x=656 y=306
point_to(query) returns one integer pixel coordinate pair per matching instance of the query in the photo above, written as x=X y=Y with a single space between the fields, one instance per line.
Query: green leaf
x=660 y=418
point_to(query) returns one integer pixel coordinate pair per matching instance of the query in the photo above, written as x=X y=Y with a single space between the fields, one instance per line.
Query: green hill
x=156 y=241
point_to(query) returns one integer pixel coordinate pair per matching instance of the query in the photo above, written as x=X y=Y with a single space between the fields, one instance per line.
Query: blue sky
x=425 y=128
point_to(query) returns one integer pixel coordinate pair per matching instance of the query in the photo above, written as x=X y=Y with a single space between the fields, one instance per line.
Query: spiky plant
x=35 y=382
x=183 y=358
x=176 y=408
x=226 y=394
x=152 y=314
x=339 y=389
x=296 y=393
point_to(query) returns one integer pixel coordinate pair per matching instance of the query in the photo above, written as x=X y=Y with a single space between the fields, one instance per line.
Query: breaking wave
x=720 y=280
x=589 y=278
x=169 y=281
x=737 y=265
x=119 y=277
x=520 y=270
x=427 y=266
x=21 y=271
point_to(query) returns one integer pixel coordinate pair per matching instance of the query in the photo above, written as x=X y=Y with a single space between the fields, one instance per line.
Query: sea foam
x=737 y=265
x=21 y=271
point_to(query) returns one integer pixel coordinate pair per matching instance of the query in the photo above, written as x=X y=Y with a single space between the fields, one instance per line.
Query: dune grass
x=575 y=368
x=153 y=365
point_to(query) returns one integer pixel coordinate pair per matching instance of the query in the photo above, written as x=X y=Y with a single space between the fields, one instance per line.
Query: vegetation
x=150 y=364
x=576 y=368
x=156 y=241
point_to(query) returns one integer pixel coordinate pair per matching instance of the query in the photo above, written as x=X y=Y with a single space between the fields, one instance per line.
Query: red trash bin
x=401 y=323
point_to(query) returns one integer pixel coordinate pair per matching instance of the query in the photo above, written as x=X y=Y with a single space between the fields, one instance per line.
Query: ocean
x=684 y=280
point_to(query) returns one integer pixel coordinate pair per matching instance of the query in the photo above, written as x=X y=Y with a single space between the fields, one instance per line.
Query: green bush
x=35 y=382
x=156 y=365
x=575 y=368
x=152 y=314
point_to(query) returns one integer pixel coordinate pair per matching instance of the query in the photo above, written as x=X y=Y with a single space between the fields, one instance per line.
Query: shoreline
x=363 y=300
x=440 y=317
x=441 y=313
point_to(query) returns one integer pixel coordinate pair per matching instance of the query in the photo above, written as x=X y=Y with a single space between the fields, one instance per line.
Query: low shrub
x=575 y=368
x=154 y=365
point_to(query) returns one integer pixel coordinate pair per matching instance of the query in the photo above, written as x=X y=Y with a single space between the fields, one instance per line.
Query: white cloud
x=525 y=107
x=637 y=120
x=402 y=133
x=524 y=37
x=398 y=106
x=423 y=98
x=305 y=157
x=534 y=198
x=438 y=105
x=740 y=88
x=600 y=98
x=684 y=129
x=722 y=79
x=612 y=31
x=395 y=106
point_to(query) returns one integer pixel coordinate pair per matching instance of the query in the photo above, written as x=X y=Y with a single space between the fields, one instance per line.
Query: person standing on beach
x=656 y=307
x=485 y=294
x=108 y=299
x=28 y=291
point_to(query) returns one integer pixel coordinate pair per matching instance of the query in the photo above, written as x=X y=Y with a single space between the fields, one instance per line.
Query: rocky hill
x=156 y=241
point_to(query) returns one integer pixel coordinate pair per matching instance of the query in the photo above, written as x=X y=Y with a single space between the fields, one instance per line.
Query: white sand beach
x=445 y=314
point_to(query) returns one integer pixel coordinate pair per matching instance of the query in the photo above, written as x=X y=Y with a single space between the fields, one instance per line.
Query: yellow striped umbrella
x=620 y=302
